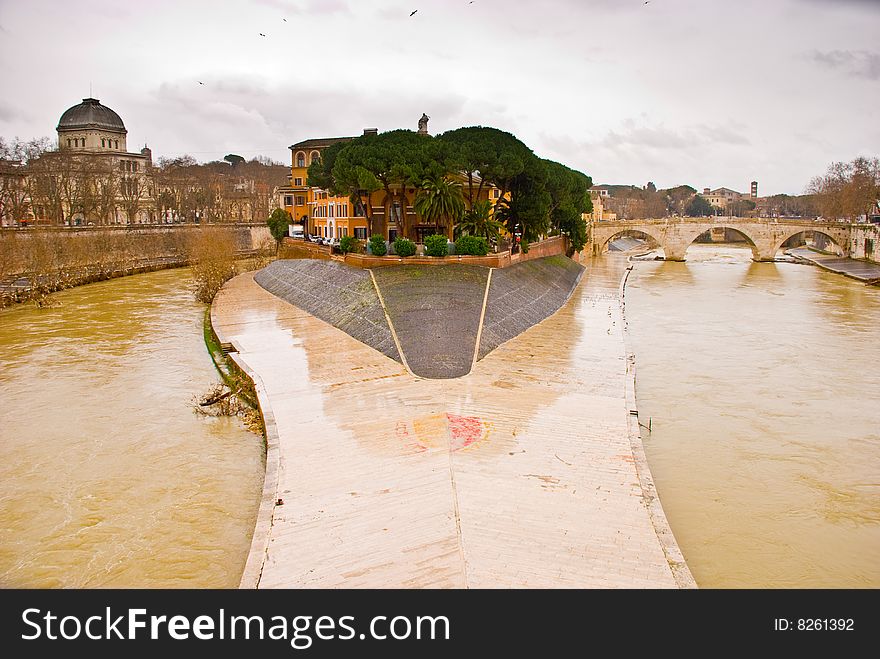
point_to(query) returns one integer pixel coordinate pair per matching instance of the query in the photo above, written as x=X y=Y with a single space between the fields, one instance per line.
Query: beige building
x=600 y=213
x=721 y=197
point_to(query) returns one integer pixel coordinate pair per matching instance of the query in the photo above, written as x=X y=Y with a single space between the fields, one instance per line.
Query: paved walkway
x=520 y=474
x=857 y=269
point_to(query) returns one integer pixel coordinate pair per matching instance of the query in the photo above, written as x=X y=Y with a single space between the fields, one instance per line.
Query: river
x=760 y=381
x=107 y=476
x=761 y=384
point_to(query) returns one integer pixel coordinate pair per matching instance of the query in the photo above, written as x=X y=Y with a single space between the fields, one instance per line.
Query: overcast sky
x=709 y=93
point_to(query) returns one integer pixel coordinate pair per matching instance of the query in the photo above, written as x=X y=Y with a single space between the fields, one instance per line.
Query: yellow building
x=600 y=213
x=327 y=216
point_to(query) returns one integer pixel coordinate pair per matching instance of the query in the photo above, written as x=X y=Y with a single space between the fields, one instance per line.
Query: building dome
x=91 y=114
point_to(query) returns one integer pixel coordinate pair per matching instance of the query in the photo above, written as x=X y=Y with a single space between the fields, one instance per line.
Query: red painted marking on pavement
x=465 y=430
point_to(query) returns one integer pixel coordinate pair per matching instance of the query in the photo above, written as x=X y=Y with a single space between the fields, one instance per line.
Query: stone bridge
x=675 y=234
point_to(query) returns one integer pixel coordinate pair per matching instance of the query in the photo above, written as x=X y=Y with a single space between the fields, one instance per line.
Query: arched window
x=115 y=144
x=68 y=143
x=300 y=159
x=102 y=143
x=314 y=156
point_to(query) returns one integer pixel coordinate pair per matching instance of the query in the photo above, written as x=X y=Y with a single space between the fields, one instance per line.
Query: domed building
x=97 y=133
x=91 y=126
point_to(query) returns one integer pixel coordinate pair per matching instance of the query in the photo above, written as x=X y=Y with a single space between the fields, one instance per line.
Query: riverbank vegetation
x=235 y=395
x=39 y=262
x=848 y=189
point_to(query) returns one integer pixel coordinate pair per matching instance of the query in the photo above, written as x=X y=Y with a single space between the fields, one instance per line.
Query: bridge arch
x=654 y=239
x=688 y=238
x=801 y=233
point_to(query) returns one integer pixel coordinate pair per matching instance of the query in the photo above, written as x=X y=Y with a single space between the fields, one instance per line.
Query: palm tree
x=439 y=198
x=479 y=221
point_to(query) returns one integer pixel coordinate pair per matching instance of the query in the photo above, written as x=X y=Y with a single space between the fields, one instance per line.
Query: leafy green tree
x=439 y=199
x=390 y=162
x=698 y=206
x=528 y=210
x=484 y=156
x=278 y=222
x=479 y=221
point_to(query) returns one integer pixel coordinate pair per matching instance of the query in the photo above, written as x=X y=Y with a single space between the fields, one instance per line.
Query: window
x=300 y=161
x=360 y=233
x=314 y=157
x=496 y=193
x=115 y=144
x=68 y=144
x=297 y=181
x=288 y=200
x=359 y=210
x=300 y=200
x=332 y=210
x=103 y=142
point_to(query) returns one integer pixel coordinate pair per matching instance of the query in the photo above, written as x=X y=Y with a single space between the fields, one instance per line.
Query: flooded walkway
x=520 y=474
x=856 y=269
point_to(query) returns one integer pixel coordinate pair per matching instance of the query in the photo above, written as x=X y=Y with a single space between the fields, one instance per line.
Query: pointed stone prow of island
x=438 y=321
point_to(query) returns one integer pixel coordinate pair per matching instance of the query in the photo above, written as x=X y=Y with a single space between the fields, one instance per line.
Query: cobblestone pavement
x=336 y=293
x=525 y=294
x=435 y=311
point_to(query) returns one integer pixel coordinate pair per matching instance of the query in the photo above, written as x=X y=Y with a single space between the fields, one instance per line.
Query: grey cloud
x=8 y=113
x=662 y=138
x=273 y=117
x=858 y=63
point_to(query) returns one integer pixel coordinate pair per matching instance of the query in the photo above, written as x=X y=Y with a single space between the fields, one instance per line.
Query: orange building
x=328 y=216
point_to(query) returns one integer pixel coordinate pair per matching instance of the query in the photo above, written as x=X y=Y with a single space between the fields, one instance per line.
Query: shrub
x=404 y=247
x=349 y=244
x=473 y=245
x=278 y=222
x=212 y=252
x=436 y=245
x=377 y=245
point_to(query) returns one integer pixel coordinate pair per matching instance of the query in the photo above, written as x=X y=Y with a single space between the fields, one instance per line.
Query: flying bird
x=413 y=13
x=262 y=35
x=200 y=82
x=284 y=19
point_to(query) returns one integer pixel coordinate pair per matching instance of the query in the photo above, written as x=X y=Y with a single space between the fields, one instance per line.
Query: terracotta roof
x=319 y=142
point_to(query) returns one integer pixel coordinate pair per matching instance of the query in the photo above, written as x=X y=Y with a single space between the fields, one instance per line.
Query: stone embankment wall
x=865 y=242
x=300 y=249
x=524 y=295
x=337 y=294
x=435 y=312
